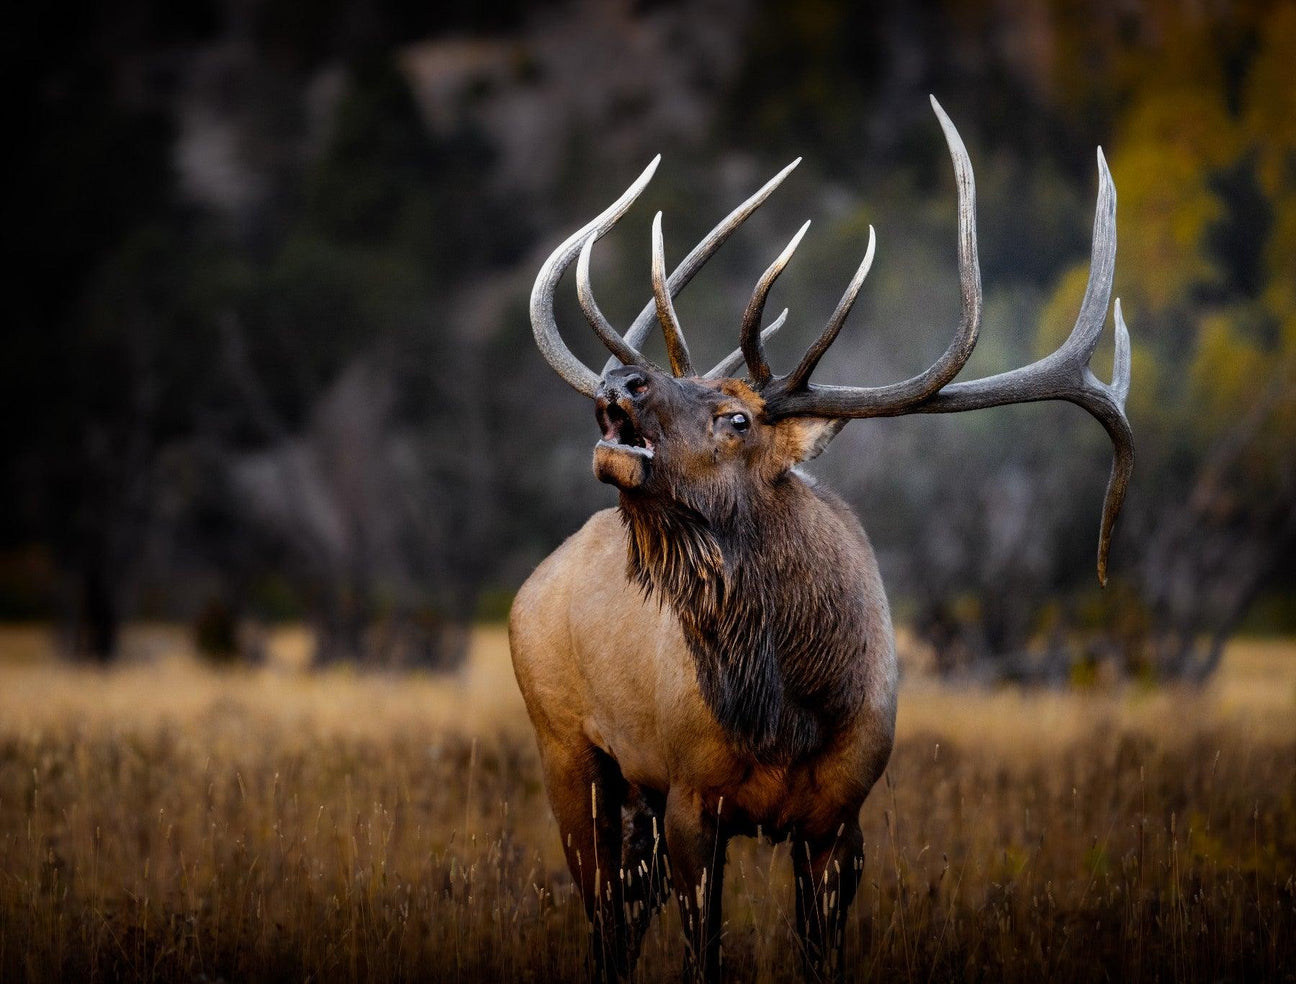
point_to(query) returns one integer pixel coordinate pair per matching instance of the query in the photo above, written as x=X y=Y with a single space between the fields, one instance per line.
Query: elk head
x=704 y=441
x=697 y=441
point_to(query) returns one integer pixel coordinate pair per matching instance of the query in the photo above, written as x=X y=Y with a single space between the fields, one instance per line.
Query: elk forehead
x=742 y=397
x=706 y=397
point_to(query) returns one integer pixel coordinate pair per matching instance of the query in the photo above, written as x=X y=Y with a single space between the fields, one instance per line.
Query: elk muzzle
x=624 y=453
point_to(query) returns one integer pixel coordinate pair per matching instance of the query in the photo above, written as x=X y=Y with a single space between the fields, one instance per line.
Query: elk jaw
x=624 y=453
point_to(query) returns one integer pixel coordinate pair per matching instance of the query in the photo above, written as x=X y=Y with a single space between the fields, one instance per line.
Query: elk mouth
x=623 y=454
x=622 y=433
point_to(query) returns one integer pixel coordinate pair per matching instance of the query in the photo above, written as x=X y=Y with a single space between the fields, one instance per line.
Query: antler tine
x=608 y=335
x=1118 y=428
x=729 y=364
x=898 y=398
x=1121 y=359
x=1102 y=267
x=577 y=375
x=676 y=346
x=700 y=253
x=753 y=351
x=799 y=376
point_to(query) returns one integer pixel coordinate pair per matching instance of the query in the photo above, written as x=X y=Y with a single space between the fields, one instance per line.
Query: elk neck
x=762 y=582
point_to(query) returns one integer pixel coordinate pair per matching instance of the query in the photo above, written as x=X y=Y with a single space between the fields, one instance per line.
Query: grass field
x=164 y=821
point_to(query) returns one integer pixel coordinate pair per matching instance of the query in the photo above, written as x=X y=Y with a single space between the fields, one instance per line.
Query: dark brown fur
x=758 y=585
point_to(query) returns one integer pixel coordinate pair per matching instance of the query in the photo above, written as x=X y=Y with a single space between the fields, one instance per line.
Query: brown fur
x=720 y=647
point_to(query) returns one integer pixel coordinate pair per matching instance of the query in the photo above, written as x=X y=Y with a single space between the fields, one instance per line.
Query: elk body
x=715 y=656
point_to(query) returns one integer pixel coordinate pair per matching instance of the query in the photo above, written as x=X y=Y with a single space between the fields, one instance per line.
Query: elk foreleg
x=587 y=791
x=828 y=871
x=696 y=844
x=644 y=863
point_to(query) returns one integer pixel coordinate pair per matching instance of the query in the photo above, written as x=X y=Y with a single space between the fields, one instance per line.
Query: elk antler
x=676 y=347
x=625 y=348
x=578 y=375
x=702 y=252
x=793 y=396
x=729 y=364
x=1063 y=375
x=752 y=349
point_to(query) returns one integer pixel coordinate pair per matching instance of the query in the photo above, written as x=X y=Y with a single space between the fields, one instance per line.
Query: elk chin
x=622 y=465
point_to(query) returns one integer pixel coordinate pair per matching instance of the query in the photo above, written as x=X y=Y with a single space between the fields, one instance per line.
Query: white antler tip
x=658 y=252
x=777 y=266
x=777 y=180
x=867 y=262
x=1103 y=169
x=641 y=182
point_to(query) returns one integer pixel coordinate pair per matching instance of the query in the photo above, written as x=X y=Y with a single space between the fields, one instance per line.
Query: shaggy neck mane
x=761 y=613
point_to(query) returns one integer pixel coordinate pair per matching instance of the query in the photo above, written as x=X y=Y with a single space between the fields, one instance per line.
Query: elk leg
x=696 y=844
x=647 y=871
x=828 y=872
x=587 y=791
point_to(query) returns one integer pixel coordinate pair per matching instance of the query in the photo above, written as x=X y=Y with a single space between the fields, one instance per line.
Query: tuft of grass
x=166 y=821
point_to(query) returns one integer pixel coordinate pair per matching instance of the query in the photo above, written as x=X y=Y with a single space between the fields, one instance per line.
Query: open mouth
x=621 y=433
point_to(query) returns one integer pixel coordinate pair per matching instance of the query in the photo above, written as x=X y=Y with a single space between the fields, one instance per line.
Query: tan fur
x=601 y=666
x=598 y=663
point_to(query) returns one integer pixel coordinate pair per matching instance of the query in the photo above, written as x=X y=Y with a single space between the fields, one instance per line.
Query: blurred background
x=269 y=361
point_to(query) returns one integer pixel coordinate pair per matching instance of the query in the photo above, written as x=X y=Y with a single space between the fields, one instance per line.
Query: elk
x=715 y=657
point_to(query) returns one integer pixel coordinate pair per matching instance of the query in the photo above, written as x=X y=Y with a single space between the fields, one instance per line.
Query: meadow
x=168 y=821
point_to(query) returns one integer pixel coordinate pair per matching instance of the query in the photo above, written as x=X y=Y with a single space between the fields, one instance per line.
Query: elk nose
x=636 y=384
x=622 y=383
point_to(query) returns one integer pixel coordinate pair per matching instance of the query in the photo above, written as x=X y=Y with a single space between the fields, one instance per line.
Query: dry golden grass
x=163 y=821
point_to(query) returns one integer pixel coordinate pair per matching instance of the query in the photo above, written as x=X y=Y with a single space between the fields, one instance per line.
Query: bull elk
x=715 y=657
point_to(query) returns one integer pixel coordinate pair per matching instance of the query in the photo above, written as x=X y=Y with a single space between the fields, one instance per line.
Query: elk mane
x=739 y=580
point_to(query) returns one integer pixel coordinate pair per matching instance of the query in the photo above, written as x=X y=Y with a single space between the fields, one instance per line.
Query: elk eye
x=740 y=421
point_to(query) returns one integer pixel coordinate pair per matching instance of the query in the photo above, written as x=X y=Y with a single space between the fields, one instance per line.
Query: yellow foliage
x=1178 y=138
x=1280 y=259
x=1166 y=208
x=1225 y=370
x=1237 y=382
x=1190 y=121
x=1144 y=402
x=1270 y=116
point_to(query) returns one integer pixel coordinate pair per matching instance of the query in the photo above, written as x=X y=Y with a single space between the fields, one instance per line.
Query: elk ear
x=803 y=438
